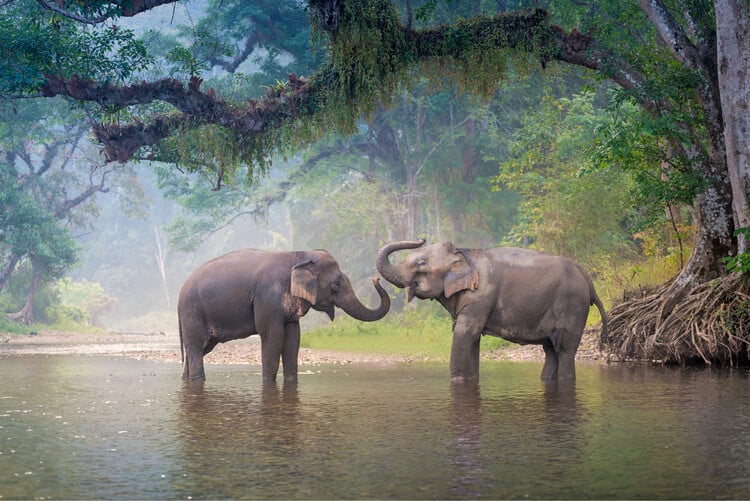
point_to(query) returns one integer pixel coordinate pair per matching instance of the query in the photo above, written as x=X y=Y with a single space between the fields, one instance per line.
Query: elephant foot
x=190 y=376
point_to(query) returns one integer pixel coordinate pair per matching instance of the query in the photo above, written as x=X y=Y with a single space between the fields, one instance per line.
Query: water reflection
x=467 y=430
x=245 y=429
x=111 y=429
x=514 y=434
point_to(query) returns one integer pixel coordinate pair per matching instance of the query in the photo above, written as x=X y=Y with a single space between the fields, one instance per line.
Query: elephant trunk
x=355 y=309
x=388 y=270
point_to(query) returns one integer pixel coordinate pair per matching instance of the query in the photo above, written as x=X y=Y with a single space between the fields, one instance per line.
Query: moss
x=372 y=56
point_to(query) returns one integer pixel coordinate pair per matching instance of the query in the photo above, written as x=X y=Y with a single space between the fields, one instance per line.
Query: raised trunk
x=383 y=263
x=355 y=309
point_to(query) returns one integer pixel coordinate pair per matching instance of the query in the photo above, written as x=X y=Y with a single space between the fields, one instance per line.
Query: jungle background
x=552 y=157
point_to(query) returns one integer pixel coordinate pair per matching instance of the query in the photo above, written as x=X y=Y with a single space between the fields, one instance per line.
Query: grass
x=414 y=333
x=611 y=284
x=9 y=326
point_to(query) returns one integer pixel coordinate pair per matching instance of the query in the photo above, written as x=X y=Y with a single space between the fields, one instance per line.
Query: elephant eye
x=422 y=263
x=336 y=285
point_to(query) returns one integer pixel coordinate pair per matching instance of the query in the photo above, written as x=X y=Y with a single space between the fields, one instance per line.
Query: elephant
x=251 y=291
x=521 y=295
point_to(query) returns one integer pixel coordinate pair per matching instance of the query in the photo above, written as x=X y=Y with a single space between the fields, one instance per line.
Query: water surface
x=105 y=427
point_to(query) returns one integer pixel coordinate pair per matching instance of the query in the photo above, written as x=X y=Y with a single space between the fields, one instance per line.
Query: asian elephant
x=520 y=295
x=253 y=291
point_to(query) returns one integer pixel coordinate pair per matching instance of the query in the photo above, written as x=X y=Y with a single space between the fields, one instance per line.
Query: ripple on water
x=97 y=427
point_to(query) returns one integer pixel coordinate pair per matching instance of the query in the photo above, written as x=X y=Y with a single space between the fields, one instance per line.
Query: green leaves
x=741 y=262
x=29 y=229
x=37 y=43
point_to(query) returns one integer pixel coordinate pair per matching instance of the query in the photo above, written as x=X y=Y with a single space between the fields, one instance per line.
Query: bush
x=80 y=304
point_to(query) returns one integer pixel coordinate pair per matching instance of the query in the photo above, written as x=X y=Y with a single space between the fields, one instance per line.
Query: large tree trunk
x=26 y=315
x=8 y=271
x=712 y=242
x=733 y=57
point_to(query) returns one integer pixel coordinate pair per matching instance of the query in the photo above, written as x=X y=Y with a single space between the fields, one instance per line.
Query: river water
x=89 y=427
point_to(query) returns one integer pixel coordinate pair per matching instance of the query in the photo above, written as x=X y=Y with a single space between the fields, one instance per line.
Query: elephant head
x=319 y=281
x=438 y=270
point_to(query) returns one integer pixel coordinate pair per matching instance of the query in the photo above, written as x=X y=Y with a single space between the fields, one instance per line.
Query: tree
x=49 y=180
x=570 y=206
x=684 y=62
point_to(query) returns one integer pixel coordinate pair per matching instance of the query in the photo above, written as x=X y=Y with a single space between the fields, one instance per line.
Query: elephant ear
x=462 y=274
x=304 y=282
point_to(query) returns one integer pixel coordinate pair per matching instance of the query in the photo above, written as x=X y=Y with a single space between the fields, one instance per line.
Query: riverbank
x=165 y=347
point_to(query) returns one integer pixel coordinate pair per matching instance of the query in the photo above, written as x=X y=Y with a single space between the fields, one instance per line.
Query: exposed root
x=710 y=324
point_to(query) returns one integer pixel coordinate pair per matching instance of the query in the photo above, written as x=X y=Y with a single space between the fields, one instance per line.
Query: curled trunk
x=355 y=309
x=383 y=263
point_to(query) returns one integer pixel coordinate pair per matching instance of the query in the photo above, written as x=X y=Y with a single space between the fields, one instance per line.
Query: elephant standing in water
x=520 y=295
x=254 y=291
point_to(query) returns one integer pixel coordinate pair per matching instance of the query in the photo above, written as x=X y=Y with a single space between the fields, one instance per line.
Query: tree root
x=710 y=324
x=25 y=316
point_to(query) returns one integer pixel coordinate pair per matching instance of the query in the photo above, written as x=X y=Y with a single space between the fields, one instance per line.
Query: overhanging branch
x=525 y=31
x=194 y=108
x=122 y=8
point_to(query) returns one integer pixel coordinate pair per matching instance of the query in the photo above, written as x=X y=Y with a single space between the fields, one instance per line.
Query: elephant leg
x=567 y=370
x=194 y=339
x=210 y=345
x=551 y=361
x=193 y=370
x=563 y=345
x=290 y=351
x=465 y=350
x=271 y=344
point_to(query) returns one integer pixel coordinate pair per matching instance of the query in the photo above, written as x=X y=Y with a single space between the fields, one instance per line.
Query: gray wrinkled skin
x=253 y=291
x=521 y=295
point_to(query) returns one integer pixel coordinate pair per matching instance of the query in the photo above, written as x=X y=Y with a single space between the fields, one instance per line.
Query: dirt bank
x=165 y=347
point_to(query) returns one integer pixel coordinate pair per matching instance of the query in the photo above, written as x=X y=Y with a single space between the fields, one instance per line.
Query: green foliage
x=372 y=58
x=741 y=262
x=12 y=327
x=216 y=152
x=37 y=42
x=14 y=294
x=567 y=208
x=29 y=229
x=636 y=141
x=186 y=61
x=80 y=303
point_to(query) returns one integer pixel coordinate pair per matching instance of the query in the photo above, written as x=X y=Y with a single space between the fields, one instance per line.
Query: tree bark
x=8 y=271
x=26 y=315
x=733 y=54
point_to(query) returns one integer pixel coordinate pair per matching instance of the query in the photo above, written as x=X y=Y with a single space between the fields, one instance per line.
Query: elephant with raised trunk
x=520 y=295
x=253 y=291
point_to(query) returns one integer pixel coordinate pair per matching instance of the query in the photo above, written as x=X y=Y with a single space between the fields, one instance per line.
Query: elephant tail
x=182 y=345
x=595 y=300
x=604 y=339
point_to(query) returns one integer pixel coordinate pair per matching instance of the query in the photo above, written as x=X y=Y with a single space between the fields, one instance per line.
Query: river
x=93 y=427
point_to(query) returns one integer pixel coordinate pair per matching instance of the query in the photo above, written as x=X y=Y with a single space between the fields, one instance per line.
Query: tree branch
x=672 y=33
x=196 y=107
x=528 y=31
x=122 y=8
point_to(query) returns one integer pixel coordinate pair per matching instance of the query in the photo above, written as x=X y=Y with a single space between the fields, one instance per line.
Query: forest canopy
x=657 y=93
